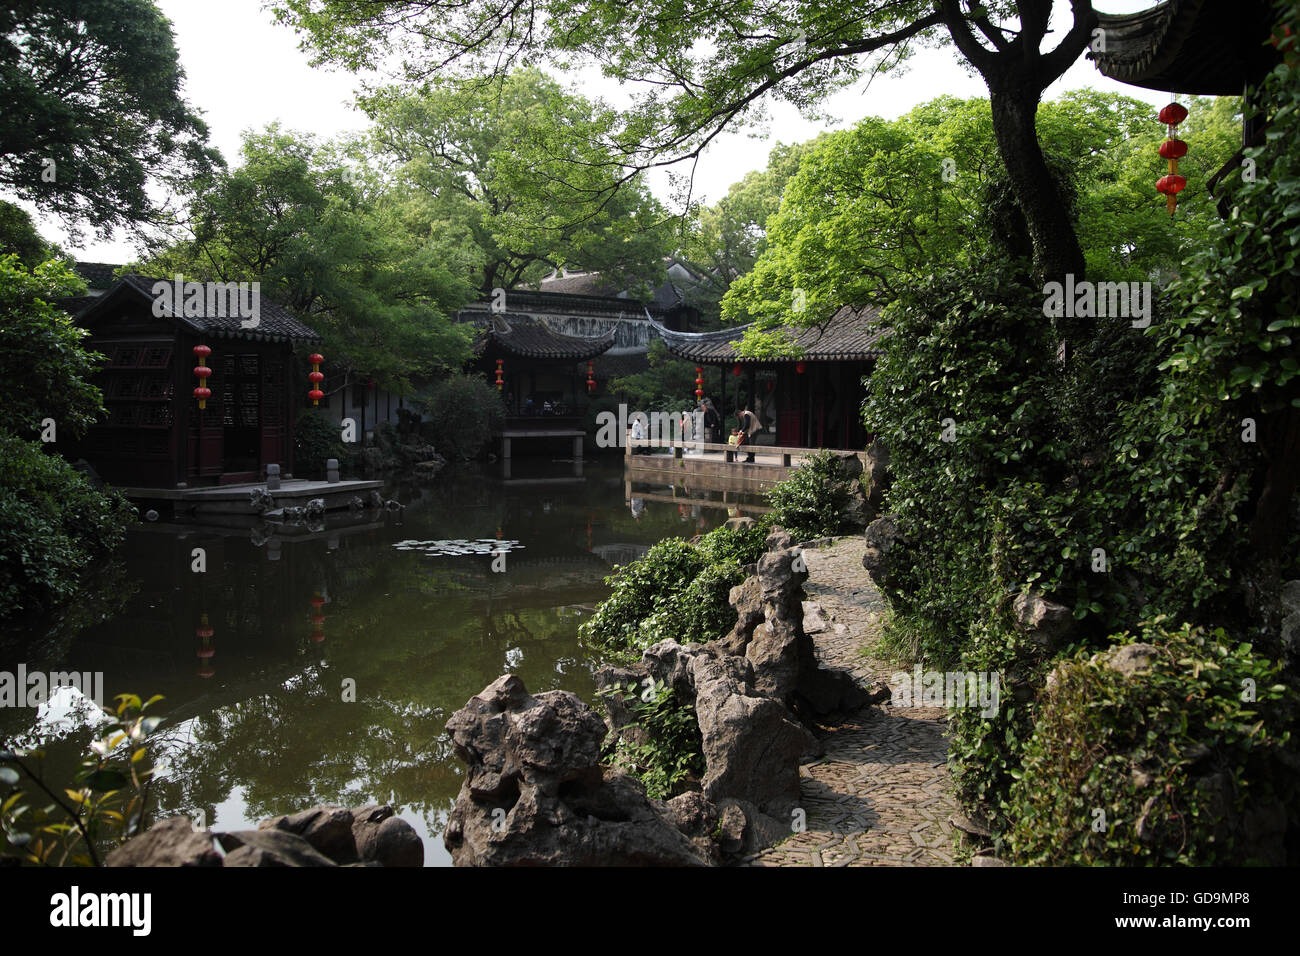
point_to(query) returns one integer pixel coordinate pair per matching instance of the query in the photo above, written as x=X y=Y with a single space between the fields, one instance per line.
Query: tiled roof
x=529 y=338
x=276 y=323
x=617 y=366
x=1206 y=47
x=852 y=334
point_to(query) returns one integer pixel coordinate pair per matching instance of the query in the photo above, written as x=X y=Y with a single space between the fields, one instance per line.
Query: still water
x=405 y=608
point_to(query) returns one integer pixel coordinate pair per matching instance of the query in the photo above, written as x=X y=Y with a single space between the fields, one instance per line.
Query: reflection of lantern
x=735 y=369
x=699 y=383
x=591 y=376
x=500 y=373
x=800 y=367
x=201 y=372
x=1172 y=149
x=206 y=651
x=317 y=619
x=769 y=386
x=316 y=378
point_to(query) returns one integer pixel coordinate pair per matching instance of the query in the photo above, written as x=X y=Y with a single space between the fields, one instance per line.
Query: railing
x=677 y=448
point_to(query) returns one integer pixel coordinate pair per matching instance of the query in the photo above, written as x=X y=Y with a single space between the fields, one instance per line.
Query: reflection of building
x=154 y=434
x=812 y=401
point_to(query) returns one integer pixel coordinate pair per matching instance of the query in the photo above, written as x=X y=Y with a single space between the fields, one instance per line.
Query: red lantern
x=201 y=372
x=373 y=384
x=1173 y=114
x=699 y=383
x=316 y=377
x=501 y=364
x=800 y=367
x=206 y=651
x=591 y=376
x=1171 y=149
x=1171 y=185
x=735 y=369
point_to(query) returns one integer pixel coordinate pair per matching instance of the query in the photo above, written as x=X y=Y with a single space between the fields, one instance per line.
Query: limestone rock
x=536 y=795
x=1045 y=622
x=740 y=523
x=269 y=847
x=383 y=837
x=327 y=828
x=881 y=535
x=170 y=842
x=1131 y=659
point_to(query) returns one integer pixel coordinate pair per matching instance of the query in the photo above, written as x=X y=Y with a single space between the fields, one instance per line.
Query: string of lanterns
x=201 y=372
x=206 y=651
x=699 y=383
x=501 y=363
x=1172 y=149
x=316 y=377
x=591 y=376
x=317 y=619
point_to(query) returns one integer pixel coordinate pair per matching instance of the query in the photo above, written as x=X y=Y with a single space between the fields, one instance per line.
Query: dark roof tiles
x=852 y=334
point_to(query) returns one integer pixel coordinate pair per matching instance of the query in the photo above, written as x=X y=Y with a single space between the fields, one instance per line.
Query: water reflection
x=307 y=667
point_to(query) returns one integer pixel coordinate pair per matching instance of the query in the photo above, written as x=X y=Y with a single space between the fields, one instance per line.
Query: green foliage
x=520 y=170
x=53 y=524
x=95 y=86
x=668 y=385
x=740 y=545
x=326 y=242
x=316 y=439
x=105 y=806
x=44 y=369
x=811 y=502
x=857 y=224
x=668 y=750
x=462 y=412
x=698 y=613
x=1169 y=756
x=18 y=236
x=649 y=584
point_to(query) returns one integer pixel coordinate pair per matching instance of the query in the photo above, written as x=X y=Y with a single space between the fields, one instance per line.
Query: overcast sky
x=243 y=72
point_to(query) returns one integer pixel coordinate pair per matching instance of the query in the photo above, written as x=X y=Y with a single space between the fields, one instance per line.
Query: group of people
x=706 y=414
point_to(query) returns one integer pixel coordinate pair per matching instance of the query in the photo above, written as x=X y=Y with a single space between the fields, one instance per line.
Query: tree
x=91 y=109
x=799 y=52
x=326 y=243
x=856 y=224
x=517 y=170
x=724 y=240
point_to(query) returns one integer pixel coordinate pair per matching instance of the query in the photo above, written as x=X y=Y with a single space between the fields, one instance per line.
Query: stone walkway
x=881 y=795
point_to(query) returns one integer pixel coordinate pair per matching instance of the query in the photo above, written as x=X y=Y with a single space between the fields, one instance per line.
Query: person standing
x=750 y=426
x=712 y=422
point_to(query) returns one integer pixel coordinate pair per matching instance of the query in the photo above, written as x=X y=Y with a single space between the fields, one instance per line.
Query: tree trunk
x=1014 y=101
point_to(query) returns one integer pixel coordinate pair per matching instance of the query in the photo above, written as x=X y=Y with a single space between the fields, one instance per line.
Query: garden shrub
x=1169 y=757
x=462 y=412
x=669 y=751
x=53 y=524
x=315 y=440
x=741 y=545
x=811 y=502
x=698 y=613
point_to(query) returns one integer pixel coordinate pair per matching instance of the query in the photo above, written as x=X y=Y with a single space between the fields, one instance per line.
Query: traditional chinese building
x=154 y=435
x=810 y=401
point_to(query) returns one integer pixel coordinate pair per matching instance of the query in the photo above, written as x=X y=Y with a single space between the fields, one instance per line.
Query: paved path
x=881 y=796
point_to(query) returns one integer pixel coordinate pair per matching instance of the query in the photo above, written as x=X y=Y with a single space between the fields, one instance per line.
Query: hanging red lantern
x=735 y=369
x=769 y=386
x=699 y=383
x=591 y=376
x=1172 y=149
x=201 y=372
x=316 y=377
x=500 y=373
x=373 y=384
x=800 y=367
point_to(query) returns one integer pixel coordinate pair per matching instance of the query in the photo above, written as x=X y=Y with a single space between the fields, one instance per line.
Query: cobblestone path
x=881 y=795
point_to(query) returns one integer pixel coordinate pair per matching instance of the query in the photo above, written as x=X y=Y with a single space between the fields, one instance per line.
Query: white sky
x=243 y=71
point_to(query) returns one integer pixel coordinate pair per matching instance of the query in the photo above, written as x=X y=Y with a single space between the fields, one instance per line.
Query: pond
x=335 y=658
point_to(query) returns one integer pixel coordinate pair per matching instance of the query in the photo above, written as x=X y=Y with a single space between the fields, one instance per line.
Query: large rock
x=383 y=837
x=327 y=828
x=170 y=842
x=881 y=536
x=752 y=743
x=1044 y=622
x=536 y=795
x=271 y=847
x=878 y=476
